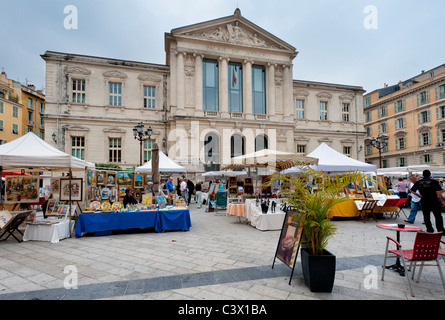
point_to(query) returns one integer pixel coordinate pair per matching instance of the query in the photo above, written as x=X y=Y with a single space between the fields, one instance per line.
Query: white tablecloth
x=50 y=232
x=269 y=221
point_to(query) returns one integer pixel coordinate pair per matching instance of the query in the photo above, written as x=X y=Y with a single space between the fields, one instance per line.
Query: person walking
x=401 y=188
x=415 y=201
x=184 y=189
x=198 y=189
x=430 y=192
x=191 y=188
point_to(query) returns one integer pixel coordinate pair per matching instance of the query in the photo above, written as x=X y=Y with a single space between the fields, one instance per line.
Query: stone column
x=198 y=85
x=180 y=97
x=173 y=77
x=288 y=94
x=270 y=90
x=224 y=87
x=247 y=89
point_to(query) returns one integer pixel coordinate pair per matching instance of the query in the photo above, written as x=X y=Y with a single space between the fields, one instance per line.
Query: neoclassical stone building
x=226 y=89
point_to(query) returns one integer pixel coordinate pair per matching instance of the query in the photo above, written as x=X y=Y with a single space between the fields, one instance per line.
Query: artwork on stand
x=122 y=189
x=100 y=178
x=89 y=177
x=76 y=189
x=21 y=189
x=55 y=187
x=120 y=178
x=94 y=178
x=124 y=178
x=148 y=178
x=51 y=207
x=113 y=194
x=5 y=217
x=138 y=181
x=111 y=179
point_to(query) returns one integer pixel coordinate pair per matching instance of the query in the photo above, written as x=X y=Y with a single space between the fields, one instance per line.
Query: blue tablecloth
x=160 y=220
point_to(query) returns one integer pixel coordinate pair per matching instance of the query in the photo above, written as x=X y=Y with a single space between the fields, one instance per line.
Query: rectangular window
x=2 y=126
x=401 y=143
x=424 y=117
x=149 y=97
x=115 y=150
x=323 y=110
x=42 y=107
x=78 y=91
x=30 y=104
x=235 y=87
x=15 y=128
x=400 y=123
x=399 y=106
x=30 y=118
x=210 y=85
x=368 y=116
x=382 y=112
x=345 y=112
x=148 y=144
x=2 y=107
x=423 y=98
x=258 y=90
x=426 y=158
x=368 y=131
x=301 y=149
x=440 y=92
x=366 y=102
x=425 y=139
x=78 y=147
x=402 y=162
x=300 y=109
x=368 y=149
x=347 y=151
x=15 y=111
x=115 y=94
x=385 y=163
x=383 y=128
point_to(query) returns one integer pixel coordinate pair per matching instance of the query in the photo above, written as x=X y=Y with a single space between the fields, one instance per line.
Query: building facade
x=226 y=89
x=412 y=115
x=21 y=110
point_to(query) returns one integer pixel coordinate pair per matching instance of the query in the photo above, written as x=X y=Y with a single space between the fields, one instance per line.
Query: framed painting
x=21 y=189
x=122 y=190
x=111 y=179
x=148 y=178
x=289 y=242
x=138 y=181
x=76 y=189
x=100 y=178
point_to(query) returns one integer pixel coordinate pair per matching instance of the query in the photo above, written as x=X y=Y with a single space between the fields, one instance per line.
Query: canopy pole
x=69 y=210
x=1 y=189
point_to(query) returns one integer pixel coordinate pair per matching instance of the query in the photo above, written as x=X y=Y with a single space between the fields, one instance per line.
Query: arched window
x=261 y=142
x=237 y=147
x=211 y=148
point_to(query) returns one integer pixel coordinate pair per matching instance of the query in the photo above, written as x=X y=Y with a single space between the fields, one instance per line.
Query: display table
x=48 y=232
x=236 y=209
x=160 y=220
x=261 y=221
x=348 y=208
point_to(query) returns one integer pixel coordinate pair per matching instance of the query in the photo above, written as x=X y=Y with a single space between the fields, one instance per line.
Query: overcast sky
x=338 y=42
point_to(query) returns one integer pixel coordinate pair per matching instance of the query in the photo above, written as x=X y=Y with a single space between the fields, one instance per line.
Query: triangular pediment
x=235 y=30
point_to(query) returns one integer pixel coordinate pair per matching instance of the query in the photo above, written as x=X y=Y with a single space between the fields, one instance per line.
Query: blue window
x=235 y=87
x=258 y=90
x=210 y=85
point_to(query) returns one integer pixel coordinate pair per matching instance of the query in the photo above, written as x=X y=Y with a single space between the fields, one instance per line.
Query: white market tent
x=412 y=169
x=330 y=160
x=223 y=173
x=29 y=151
x=165 y=165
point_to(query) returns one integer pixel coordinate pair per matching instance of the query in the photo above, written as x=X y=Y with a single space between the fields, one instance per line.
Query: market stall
x=166 y=165
x=31 y=153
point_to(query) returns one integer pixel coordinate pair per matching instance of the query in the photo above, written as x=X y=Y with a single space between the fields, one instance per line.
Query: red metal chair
x=390 y=203
x=426 y=248
x=401 y=204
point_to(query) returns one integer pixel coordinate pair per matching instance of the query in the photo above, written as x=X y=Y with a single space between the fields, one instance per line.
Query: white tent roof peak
x=330 y=160
x=31 y=151
x=165 y=165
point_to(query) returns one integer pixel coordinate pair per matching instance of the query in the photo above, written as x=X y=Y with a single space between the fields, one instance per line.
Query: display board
x=289 y=242
x=76 y=189
x=21 y=189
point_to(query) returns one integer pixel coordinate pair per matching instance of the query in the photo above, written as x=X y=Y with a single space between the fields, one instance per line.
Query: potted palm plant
x=311 y=213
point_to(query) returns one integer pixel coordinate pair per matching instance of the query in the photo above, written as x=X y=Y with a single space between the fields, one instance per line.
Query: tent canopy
x=165 y=165
x=267 y=158
x=330 y=160
x=413 y=169
x=223 y=173
x=29 y=151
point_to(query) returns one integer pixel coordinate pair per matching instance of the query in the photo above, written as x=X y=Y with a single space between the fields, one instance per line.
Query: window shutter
x=429 y=138
x=418 y=99
x=403 y=105
x=437 y=114
x=427 y=96
x=395 y=107
x=418 y=118
x=439 y=139
x=428 y=112
x=420 y=139
x=396 y=124
x=436 y=92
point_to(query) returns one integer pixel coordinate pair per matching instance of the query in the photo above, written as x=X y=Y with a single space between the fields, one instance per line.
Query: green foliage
x=312 y=208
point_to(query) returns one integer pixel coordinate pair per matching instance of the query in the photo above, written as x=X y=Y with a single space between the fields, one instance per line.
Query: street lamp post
x=141 y=135
x=380 y=143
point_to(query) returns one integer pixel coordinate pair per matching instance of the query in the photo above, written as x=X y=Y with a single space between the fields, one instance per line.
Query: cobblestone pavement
x=220 y=258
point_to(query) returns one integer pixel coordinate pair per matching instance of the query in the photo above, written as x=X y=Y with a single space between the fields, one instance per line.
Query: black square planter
x=318 y=271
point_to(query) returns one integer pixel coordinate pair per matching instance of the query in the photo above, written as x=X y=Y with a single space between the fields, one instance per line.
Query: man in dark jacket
x=191 y=187
x=430 y=192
